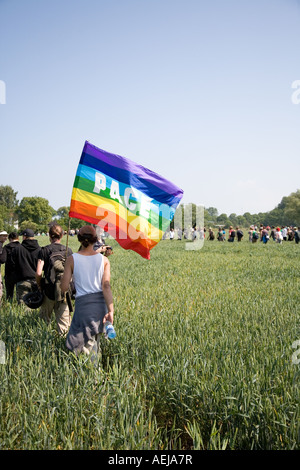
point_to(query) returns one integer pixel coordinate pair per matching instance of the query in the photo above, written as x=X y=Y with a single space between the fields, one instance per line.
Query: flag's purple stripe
x=146 y=176
x=128 y=178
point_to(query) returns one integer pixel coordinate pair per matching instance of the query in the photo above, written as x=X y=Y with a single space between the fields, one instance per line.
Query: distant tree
x=28 y=224
x=241 y=221
x=8 y=197
x=36 y=210
x=77 y=223
x=287 y=212
x=249 y=218
x=8 y=204
x=233 y=218
x=274 y=217
x=63 y=212
x=208 y=219
x=222 y=219
x=256 y=221
x=62 y=217
x=262 y=218
x=2 y=217
x=292 y=209
x=283 y=203
x=213 y=212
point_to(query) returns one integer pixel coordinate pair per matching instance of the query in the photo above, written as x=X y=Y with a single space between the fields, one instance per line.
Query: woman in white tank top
x=87 y=273
x=93 y=300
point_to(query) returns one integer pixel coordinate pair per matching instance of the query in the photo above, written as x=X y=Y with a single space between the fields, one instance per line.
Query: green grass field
x=202 y=358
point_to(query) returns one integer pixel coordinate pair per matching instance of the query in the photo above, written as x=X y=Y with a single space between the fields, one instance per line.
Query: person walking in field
x=273 y=233
x=239 y=234
x=100 y=245
x=90 y=272
x=3 y=238
x=10 y=270
x=290 y=234
x=221 y=236
x=255 y=235
x=51 y=260
x=232 y=234
x=25 y=258
x=265 y=235
x=278 y=236
x=284 y=233
x=211 y=235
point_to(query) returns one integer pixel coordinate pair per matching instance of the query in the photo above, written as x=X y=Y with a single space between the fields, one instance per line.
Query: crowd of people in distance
x=51 y=276
x=262 y=233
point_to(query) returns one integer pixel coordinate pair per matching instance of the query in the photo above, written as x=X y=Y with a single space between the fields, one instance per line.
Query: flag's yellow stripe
x=99 y=204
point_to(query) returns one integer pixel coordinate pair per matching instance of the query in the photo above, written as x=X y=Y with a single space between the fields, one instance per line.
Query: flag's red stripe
x=141 y=244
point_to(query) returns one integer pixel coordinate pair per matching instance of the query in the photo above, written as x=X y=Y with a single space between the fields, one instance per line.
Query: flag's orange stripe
x=100 y=202
x=130 y=234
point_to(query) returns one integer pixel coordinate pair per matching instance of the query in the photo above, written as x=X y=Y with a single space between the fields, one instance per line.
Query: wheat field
x=204 y=357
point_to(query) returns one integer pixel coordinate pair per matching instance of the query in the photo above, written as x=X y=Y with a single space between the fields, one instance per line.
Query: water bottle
x=109 y=330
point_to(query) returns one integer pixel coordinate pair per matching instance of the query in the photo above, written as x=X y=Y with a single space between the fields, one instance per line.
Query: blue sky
x=198 y=91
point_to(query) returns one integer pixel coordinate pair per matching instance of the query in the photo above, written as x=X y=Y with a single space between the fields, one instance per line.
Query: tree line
x=31 y=212
x=286 y=213
x=35 y=212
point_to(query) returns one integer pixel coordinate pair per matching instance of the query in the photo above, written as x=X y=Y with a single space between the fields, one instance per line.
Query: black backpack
x=57 y=260
x=54 y=273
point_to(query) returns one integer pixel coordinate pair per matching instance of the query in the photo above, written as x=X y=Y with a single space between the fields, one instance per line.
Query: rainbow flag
x=133 y=204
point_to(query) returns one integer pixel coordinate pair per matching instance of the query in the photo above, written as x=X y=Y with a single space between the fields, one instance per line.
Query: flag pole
x=67 y=294
x=68 y=231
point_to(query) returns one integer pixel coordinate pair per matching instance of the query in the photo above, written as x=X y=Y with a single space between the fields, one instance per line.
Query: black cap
x=28 y=233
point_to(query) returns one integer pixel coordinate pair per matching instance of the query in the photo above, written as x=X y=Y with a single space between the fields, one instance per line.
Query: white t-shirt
x=88 y=273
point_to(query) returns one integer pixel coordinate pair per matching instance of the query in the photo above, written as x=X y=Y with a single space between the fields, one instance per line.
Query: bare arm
x=39 y=272
x=107 y=292
x=67 y=276
x=105 y=250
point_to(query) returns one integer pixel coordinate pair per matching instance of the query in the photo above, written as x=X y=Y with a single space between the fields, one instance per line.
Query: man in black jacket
x=25 y=257
x=3 y=237
x=10 y=271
